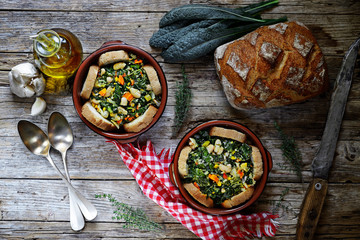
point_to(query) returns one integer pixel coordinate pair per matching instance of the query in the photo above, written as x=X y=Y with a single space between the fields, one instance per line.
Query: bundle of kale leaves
x=192 y=31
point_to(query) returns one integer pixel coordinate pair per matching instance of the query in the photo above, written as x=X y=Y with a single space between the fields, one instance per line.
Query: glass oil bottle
x=58 y=54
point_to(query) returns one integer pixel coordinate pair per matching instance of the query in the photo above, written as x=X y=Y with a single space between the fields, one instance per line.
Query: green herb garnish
x=133 y=217
x=279 y=203
x=290 y=152
x=183 y=99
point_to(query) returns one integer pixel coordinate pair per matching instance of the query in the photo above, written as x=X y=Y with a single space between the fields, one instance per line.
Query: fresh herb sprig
x=279 y=203
x=290 y=152
x=133 y=217
x=183 y=98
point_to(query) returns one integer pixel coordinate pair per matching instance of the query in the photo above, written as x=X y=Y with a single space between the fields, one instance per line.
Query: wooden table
x=34 y=201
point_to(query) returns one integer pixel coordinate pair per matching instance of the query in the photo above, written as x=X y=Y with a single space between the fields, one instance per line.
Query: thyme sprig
x=290 y=152
x=133 y=217
x=183 y=98
x=279 y=203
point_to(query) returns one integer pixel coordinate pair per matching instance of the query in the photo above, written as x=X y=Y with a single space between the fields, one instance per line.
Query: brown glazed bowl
x=251 y=137
x=120 y=135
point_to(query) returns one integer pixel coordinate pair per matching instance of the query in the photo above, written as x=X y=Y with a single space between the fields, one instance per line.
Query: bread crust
x=198 y=195
x=272 y=66
x=141 y=122
x=238 y=199
x=227 y=133
x=153 y=78
x=258 y=163
x=182 y=165
x=112 y=57
x=90 y=113
x=89 y=82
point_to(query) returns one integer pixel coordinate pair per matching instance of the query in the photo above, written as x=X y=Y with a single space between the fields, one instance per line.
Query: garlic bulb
x=26 y=81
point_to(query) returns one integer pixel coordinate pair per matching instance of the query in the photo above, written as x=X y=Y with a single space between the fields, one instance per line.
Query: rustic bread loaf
x=272 y=66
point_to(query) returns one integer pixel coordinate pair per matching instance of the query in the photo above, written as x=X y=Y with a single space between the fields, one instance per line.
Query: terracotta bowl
x=120 y=135
x=251 y=137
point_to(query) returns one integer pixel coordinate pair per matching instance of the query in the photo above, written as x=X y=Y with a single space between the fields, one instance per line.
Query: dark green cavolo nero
x=192 y=31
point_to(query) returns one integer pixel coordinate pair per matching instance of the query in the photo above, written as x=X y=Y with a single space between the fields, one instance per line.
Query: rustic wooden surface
x=34 y=201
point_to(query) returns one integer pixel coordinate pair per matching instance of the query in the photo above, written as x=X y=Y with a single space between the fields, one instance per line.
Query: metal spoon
x=38 y=143
x=61 y=138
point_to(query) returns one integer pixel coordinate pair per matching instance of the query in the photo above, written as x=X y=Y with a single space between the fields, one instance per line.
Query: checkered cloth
x=151 y=173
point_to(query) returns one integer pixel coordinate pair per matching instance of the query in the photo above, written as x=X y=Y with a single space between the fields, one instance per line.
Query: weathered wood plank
x=60 y=230
x=293 y=119
x=106 y=163
x=48 y=201
x=331 y=34
x=285 y=6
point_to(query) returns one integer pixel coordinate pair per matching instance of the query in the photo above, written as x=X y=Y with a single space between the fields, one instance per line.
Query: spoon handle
x=77 y=221
x=63 y=155
x=87 y=208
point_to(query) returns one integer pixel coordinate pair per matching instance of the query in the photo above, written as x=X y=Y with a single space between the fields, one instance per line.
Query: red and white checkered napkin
x=151 y=173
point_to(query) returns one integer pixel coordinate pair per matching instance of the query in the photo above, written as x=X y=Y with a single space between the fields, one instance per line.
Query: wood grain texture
x=311 y=208
x=34 y=201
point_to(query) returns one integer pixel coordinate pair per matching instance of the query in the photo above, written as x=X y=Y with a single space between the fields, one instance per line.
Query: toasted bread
x=227 y=133
x=89 y=82
x=141 y=122
x=238 y=199
x=198 y=195
x=112 y=57
x=258 y=163
x=182 y=165
x=90 y=113
x=153 y=78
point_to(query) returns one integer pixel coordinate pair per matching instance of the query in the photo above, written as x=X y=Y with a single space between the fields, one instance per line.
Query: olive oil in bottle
x=58 y=54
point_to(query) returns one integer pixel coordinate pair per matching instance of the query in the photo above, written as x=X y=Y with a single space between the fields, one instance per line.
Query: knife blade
x=316 y=192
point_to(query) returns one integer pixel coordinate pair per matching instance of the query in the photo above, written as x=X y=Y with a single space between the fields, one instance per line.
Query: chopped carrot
x=138 y=61
x=214 y=177
x=225 y=176
x=103 y=92
x=241 y=173
x=128 y=96
x=132 y=82
x=118 y=122
x=124 y=75
x=121 y=80
x=196 y=185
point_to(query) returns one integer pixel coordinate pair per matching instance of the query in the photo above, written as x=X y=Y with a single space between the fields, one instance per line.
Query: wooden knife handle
x=311 y=209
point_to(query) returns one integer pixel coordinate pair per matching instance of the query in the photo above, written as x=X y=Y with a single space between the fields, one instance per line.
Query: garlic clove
x=39 y=85
x=38 y=107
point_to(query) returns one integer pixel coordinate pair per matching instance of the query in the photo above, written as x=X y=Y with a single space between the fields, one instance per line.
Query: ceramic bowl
x=251 y=137
x=120 y=135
